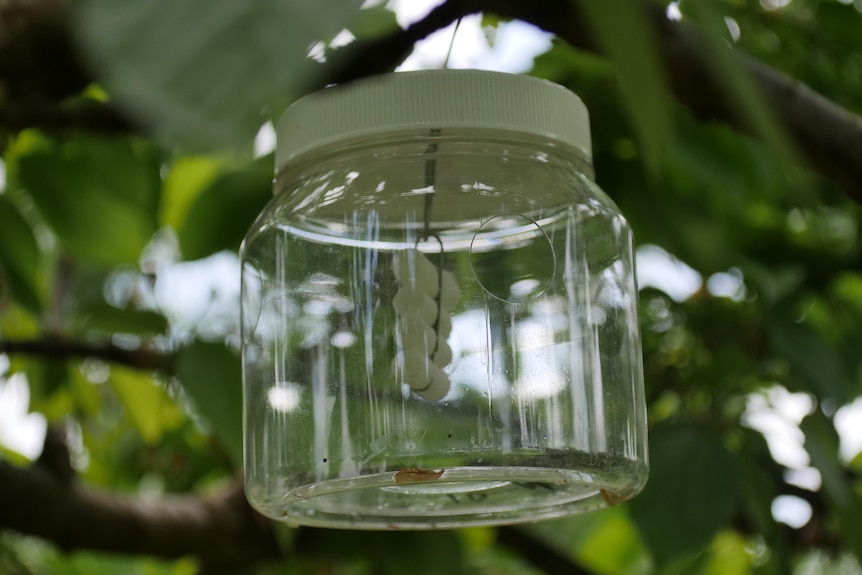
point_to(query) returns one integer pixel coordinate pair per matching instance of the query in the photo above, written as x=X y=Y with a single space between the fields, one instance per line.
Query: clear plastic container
x=439 y=312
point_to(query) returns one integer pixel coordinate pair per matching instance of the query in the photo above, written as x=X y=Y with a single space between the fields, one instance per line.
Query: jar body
x=440 y=331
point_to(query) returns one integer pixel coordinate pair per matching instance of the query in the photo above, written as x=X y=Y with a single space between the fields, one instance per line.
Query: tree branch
x=828 y=136
x=57 y=119
x=371 y=57
x=40 y=67
x=140 y=358
x=221 y=530
x=37 y=56
x=34 y=38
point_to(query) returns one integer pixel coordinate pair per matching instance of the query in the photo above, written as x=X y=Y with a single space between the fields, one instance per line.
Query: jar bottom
x=453 y=497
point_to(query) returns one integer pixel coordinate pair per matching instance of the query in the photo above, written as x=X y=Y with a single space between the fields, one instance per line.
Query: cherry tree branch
x=140 y=358
x=40 y=67
x=46 y=500
x=221 y=531
x=61 y=118
x=827 y=136
x=35 y=38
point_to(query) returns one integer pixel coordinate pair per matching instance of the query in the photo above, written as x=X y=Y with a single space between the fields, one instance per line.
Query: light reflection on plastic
x=285 y=396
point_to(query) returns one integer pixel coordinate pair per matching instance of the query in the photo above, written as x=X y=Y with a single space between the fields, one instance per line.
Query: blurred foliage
x=89 y=227
x=185 y=79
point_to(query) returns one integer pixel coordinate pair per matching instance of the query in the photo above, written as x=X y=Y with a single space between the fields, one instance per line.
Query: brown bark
x=826 y=135
x=40 y=66
x=140 y=358
x=39 y=70
x=46 y=500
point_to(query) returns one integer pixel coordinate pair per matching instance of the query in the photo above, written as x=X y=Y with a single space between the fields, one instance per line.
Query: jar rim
x=432 y=100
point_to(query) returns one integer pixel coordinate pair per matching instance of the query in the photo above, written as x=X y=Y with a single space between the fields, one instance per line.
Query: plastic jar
x=439 y=311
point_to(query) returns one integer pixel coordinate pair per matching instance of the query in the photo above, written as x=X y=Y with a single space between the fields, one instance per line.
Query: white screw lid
x=433 y=99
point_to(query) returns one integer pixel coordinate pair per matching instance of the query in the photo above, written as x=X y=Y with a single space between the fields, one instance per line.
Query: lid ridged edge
x=432 y=99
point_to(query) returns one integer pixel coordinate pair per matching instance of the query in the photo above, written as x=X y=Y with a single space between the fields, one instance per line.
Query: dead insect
x=414 y=475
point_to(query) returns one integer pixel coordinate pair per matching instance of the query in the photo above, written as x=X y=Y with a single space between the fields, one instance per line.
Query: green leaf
x=490 y=27
x=563 y=60
x=150 y=409
x=47 y=378
x=88 y=563
x=107 y=318
x=20 y=257
x=15 y=458
x=607 y=542
x=624 y=33
x=434 y=553
x=821 y=443
x=737 y=80
x=491 y=20
x=391 y=553
x=809 y=355
x=615 y=547
x=187 y=178
x=760 y=483
x=728 y=555
x=693 y=490
x=222 y=214
x=25 y=143
x=99 y=196
x=373 y=22
x=211 y=374
x=203 y=72
x=85 y=396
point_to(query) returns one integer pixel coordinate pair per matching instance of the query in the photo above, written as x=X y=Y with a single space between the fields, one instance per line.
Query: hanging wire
x=431 y=162
x=452 y=43
x=431 y=182
x=431 y=186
